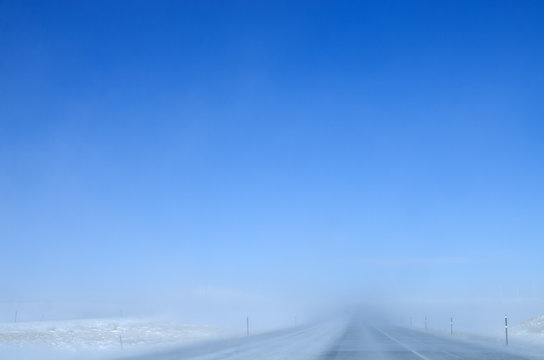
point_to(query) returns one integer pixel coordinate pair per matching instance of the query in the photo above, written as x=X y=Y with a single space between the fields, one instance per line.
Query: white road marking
x=418 y=354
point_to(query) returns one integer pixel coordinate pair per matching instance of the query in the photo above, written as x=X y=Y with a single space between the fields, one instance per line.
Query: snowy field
x=96 y=338
x=531 y=330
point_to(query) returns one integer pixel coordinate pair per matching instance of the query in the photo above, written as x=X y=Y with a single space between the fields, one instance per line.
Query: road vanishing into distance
x=353 y=341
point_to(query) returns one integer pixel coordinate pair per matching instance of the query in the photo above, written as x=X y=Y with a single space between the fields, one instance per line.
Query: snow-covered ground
x=531 y=330
x=96 y=338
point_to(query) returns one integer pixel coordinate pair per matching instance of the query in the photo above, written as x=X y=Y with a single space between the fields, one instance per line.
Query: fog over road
x=356 y=340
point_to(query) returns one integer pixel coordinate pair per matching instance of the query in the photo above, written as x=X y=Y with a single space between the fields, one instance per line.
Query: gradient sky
x=259 y=148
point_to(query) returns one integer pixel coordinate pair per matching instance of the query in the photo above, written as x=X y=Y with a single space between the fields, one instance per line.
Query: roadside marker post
x=451 y=326
x=247 y=325
x=506 y=328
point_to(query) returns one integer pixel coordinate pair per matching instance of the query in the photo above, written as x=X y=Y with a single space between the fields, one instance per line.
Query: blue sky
x=272 y=148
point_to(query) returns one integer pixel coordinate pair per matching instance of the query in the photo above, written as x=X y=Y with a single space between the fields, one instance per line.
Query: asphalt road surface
x=394 y=343
x=352 y=342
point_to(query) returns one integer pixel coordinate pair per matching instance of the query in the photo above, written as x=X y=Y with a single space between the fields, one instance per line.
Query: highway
x=353 y=341
x=394 y=343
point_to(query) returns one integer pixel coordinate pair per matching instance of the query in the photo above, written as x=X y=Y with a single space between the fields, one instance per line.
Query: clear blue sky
x=271 y=147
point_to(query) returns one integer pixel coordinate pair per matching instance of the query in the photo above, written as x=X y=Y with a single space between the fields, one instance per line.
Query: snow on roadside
x=530 y=330
x=97 y=336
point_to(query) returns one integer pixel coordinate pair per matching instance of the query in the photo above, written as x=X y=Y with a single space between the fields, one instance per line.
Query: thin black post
x=451 y=326
x=247 y=325
x=506 y=328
